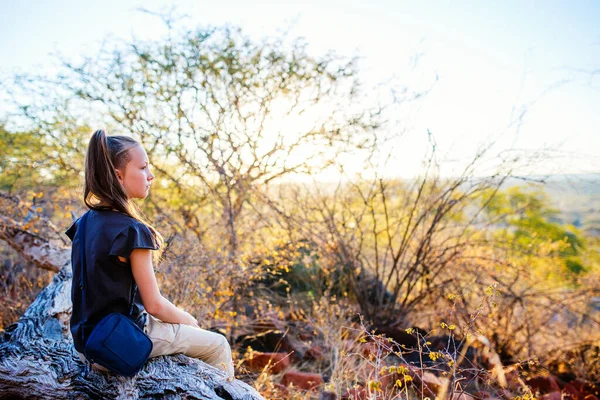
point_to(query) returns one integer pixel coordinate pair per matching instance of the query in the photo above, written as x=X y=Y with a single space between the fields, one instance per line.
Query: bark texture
x=38 y=360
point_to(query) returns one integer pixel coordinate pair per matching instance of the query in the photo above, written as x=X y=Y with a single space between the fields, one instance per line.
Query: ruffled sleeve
x=72 y=230
x=134 y=236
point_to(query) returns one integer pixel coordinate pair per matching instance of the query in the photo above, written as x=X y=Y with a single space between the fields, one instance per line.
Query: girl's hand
x=190 y=320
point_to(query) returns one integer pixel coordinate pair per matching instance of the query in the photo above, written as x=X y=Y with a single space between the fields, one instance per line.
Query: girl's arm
x=154 y=302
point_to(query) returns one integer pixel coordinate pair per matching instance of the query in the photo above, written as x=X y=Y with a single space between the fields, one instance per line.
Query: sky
x=484 y=61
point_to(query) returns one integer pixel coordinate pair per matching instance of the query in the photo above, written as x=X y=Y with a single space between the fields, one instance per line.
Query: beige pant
x=167 y=338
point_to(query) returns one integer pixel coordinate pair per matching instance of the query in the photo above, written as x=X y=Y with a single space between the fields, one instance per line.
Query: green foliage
x=524 y=219
x=32 y=160
x=19 y=160
x=293 y=268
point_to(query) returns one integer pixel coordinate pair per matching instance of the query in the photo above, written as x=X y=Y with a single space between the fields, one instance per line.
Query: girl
x=119 y=245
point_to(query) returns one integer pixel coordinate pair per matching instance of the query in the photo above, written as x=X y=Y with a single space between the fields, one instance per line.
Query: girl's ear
x=119 y=175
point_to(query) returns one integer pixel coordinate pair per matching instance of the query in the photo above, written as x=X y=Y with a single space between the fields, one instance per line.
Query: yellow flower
x=375 y=385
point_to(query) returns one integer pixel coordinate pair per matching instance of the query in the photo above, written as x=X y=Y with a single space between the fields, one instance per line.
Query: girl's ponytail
x=102 y=188
x=103 y=191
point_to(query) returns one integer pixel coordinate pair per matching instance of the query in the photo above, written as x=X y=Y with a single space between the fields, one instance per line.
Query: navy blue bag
x=116 y=343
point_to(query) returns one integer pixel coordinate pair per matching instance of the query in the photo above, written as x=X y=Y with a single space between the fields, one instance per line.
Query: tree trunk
x=38 y=360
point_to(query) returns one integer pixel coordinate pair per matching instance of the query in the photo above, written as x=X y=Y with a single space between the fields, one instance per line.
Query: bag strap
x=88 y=364
x=82 y=274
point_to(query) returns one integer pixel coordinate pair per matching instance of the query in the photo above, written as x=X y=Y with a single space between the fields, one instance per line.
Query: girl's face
x=136 y=176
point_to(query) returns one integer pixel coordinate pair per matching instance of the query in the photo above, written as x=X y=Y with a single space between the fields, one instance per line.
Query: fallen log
x=33 y=247
x=38 y=360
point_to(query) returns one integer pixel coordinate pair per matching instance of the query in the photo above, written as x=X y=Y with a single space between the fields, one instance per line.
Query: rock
x=417 y=379
x=270 y=336
x=388 y=384
x=431 y=383
x=326 y=395
x=280 y=391
x=552 y=396
x=38 y=360
x=306 y=336
x=370 y=350
x=302 y=380
x=314 y=353
x=586 y=389
x=400 y=336
x=543 y=384
x=271 y=362
x=572 y=391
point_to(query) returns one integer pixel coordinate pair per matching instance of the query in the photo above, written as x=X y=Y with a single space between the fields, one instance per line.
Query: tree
x=219 y=113
x=396 y=244
x=31 y=160
x=523 y=222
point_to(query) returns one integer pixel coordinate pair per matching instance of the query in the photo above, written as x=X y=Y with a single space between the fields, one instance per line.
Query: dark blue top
x=109 y=283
